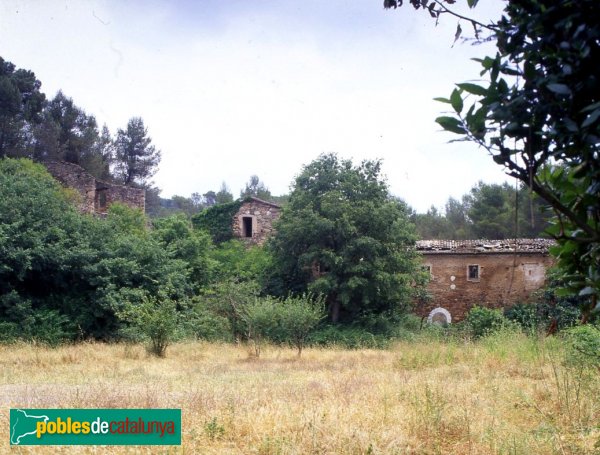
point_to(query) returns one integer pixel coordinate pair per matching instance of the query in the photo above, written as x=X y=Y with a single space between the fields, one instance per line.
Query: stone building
x=96 y=195
x=487 y=273
x=253 y=222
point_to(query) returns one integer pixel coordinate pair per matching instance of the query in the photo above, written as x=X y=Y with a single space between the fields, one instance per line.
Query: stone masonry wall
x=133 y=197
x=262 y=214
x=74 y=176
x=504 y=280
x=96 y=195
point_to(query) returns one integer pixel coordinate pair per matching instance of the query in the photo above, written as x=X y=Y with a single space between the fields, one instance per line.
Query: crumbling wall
x=109 y=193
x=96 y=195
x=73 y=176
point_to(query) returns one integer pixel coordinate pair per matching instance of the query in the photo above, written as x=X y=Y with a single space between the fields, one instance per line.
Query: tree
x=68 y=133
x=456 y=218
x=255 y=188
x=210 y=198
x=538 y=115
x=431 y=225
x=135 y=156
x=342 y=236
x=490 y=209
x=224 y=196
x=21 y=104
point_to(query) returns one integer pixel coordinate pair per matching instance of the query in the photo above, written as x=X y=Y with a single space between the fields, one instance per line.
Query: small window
x=247 y=226
x=473 y=272
x=426 y=268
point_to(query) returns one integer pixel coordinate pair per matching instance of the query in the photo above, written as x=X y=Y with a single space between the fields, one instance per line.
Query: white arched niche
x=439 y=316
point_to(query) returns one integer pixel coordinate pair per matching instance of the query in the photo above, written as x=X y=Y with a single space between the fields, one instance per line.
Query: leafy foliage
x=484 y=321
x=538 y=114
x=488 y=211
x=217 y=220
x=342 y=236
x=156 y=317
x=76 y=271
x=21 y=103
x=286 y=320
x=135 y=157
x=584 y=343
x=256 y=188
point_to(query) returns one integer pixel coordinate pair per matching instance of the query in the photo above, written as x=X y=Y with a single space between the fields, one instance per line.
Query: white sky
x=239 y=87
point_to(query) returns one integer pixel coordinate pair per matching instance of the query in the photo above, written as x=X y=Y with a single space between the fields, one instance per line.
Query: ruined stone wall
x=73 y=176
x=108 y=194
x=262 y=215
x=504 y=280
x=96 y=195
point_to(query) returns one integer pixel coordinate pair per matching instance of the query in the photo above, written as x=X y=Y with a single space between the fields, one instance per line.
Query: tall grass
x=503 y=394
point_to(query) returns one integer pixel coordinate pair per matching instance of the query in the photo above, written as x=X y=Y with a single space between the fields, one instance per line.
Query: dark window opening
x=426 y=268
x=247 y=226
x=473 y=272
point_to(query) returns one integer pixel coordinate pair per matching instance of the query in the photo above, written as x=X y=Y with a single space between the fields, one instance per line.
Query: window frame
x=478 y=277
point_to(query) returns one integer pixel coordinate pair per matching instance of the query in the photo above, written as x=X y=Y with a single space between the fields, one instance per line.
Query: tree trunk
x=334 y=311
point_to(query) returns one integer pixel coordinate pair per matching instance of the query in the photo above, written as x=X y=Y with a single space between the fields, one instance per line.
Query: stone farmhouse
x=487 y=273
x=463 y=274
x=253 y=222
x=96 y=195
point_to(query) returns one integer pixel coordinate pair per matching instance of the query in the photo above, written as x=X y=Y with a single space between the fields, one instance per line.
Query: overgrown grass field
x=504 y=394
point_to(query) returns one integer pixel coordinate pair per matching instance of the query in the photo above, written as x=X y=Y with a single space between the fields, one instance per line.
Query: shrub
x=532 y=317
x=202 y=323
x=228 y=299
x=298 y=316
x=526 y=315
x=350 y=337
x=483 y=321
x=155 y=318
x=290 y=320
x=584 y=345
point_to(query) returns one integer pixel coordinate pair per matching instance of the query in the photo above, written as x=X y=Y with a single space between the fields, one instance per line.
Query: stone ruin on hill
x=96 y=195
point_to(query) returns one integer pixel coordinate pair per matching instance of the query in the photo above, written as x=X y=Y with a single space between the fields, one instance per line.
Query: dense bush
x=216 y=220
x=289 y=320
x=584 y=345
x=351 y=337
x=539 y=316
x=154 y=318
x=64 y=275
x=484 y=321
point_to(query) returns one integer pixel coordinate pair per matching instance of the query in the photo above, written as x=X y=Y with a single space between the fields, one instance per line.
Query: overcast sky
x=239 y=87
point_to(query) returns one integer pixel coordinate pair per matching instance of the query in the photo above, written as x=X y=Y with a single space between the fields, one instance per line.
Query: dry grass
x=505 y=395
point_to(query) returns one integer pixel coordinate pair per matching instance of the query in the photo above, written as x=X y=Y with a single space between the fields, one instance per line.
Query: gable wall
x=263 y=215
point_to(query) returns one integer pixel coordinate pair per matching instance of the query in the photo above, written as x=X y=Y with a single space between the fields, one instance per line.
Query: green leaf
x=473 y=88
x=591 y=107
x=442 y=100
x=456 y=101
x=591 y=118
x=563 y=292
x=560 y=89
x=451 y=124
x=587 y=291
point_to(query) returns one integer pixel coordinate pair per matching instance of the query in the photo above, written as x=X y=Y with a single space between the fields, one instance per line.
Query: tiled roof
x=261 y=201
x=484 y=246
